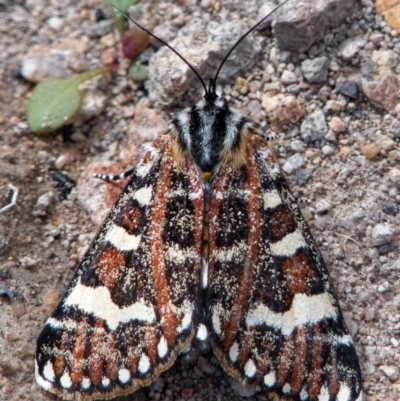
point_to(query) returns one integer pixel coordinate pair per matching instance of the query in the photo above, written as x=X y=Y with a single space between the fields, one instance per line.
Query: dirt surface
x=42 y=238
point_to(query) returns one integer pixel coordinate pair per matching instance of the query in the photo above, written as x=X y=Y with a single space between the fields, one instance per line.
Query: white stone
x=391 y=372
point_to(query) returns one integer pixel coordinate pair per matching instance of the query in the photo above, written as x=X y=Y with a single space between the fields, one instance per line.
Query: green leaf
x=137 y=72
x=57 y=102
x=119 y=19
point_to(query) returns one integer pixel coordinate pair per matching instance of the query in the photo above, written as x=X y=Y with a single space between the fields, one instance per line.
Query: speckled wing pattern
x=130 y=308
x=205 y=243
x=275 y=320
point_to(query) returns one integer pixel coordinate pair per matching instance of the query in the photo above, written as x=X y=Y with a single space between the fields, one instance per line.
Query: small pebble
x=350 y=89
x=382 y=233
x=350 y=47
x=391 y=207
x=315 y=71
x=323 y=206
x=369 y=150
x=391 y=372
x=336 y=125
x=288 y=78
x=55 y=23
x=327 y=150
x=27 y=262
x=296 y=160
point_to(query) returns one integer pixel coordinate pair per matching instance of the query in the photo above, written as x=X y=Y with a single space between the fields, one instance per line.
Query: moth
x=205 y=245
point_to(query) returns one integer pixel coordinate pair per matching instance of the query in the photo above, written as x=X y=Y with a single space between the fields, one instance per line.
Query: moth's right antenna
x=239 y=40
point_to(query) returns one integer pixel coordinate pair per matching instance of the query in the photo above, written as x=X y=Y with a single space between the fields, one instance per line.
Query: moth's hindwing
x=274 y=318
x=131 y=306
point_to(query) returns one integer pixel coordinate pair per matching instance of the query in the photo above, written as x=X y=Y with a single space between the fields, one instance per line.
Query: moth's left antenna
x=165 y=44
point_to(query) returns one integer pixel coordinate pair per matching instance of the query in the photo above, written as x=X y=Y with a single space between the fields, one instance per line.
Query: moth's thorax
x=211 y=133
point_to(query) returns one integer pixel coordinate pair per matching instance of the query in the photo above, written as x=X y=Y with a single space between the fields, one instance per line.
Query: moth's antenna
x=165 y=44
x=239 y=40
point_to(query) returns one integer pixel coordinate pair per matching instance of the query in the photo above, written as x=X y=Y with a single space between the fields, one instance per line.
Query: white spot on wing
x=324 y=395
x=216 y=312
x=269 y=379
x=121 y=240
x=144 y=364
x=105 y=381
x=162 y=347
x=230 y=254
x=46 y=385
x=143 y=195
x=304 y=310
x=345 y=340
x=303 y=394
x=344 y=393
x=286 y=388
x=187 y=310
x=98 y=302
x=85 y=383
x=179 y=255
x=288 y=245
x=272 y=199
x=202 y=333
x=195 y=195
x=250 y=368
x=48 y=372
x=124 y=375
x=65 y=380
x=234 y=352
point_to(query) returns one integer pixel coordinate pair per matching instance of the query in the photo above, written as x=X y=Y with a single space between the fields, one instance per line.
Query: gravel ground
x=340 y=150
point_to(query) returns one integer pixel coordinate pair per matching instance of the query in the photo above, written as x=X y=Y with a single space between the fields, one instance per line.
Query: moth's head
x=212 y=98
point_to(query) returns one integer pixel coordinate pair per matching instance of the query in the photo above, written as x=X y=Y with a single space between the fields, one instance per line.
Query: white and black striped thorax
x=210 y=129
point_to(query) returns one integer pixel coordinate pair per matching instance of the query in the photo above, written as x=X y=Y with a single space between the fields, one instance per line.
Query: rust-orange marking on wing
x=316 y=364
x=96 y=353
x=112 y=358
x=297 y=272
x=168 y=318
x=78 y=354
x=285 y=361
x=151 y=342
x=281 y=223
x=109 y=264
x=299 y=365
